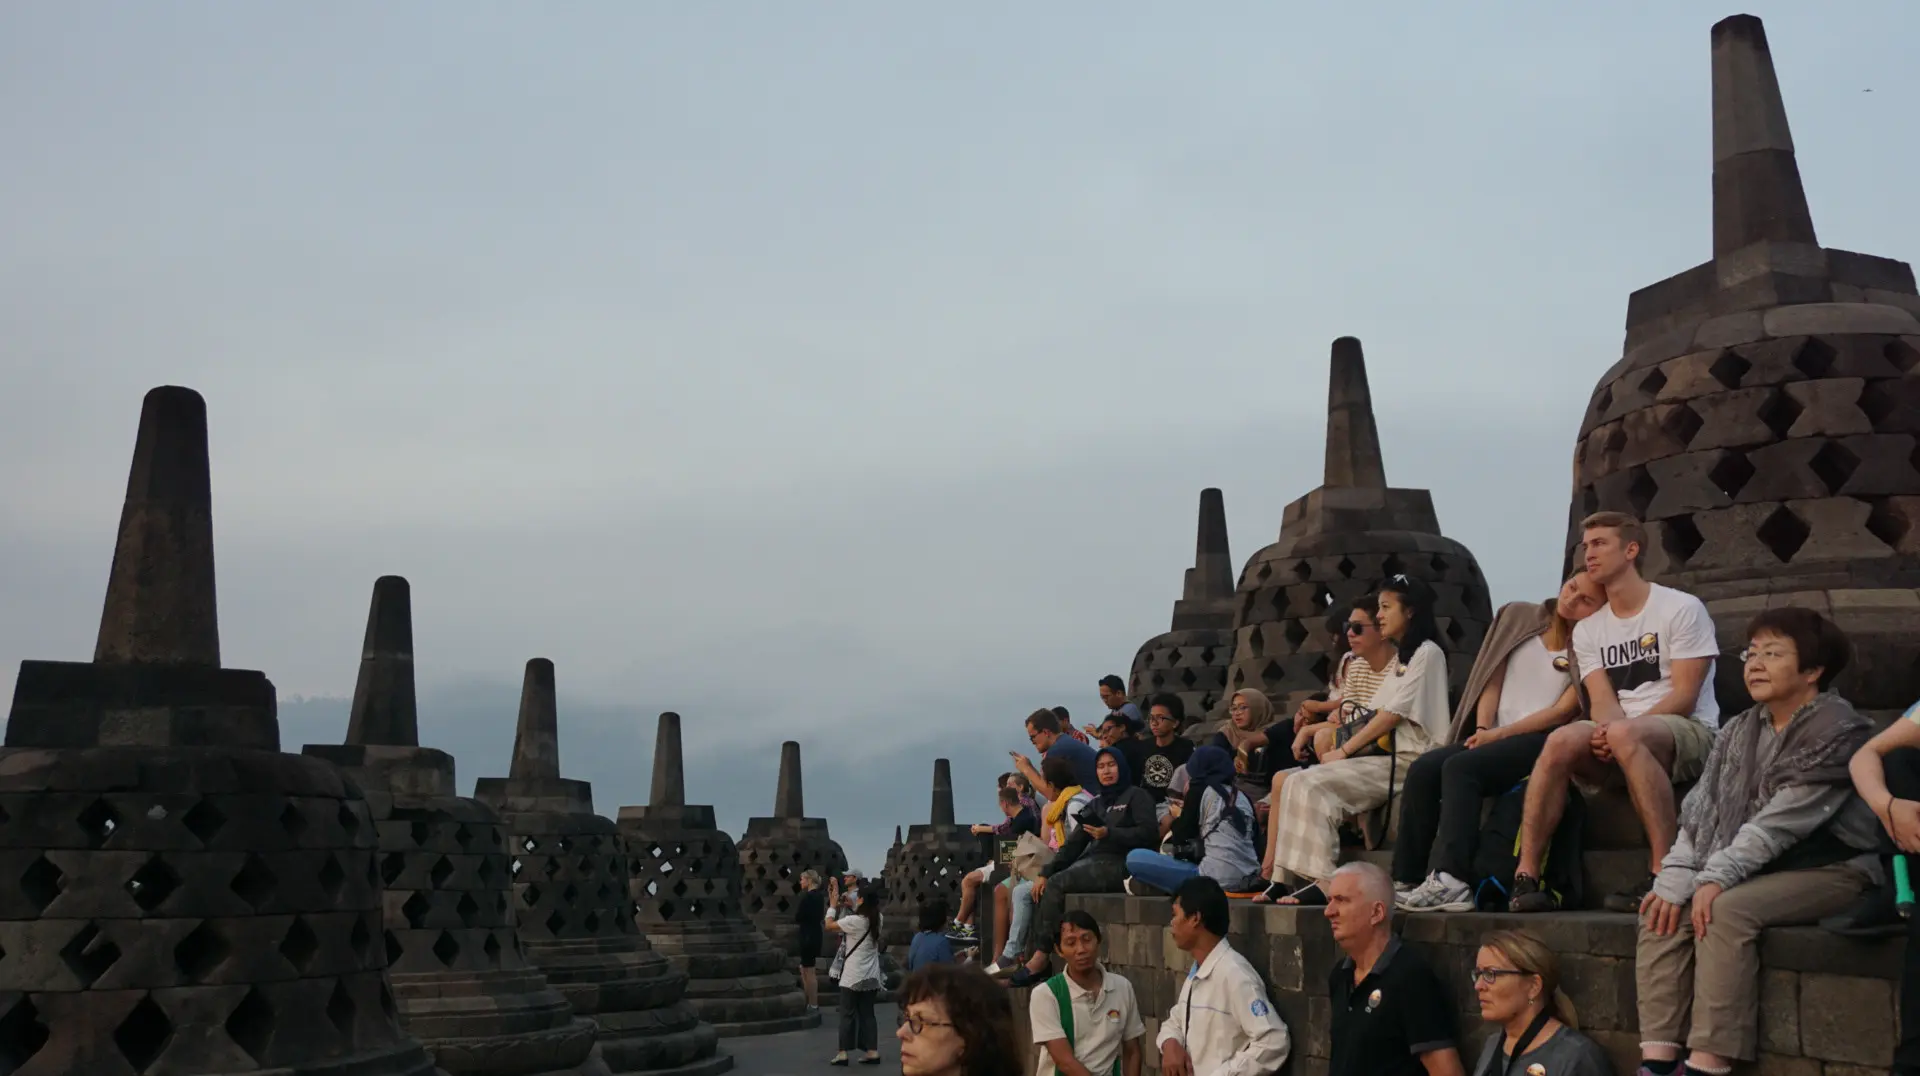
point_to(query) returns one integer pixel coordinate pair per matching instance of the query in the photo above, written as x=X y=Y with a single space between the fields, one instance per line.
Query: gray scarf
x=1819 y=741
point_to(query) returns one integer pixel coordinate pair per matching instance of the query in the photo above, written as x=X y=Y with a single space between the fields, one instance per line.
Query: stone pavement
x=806 y=1052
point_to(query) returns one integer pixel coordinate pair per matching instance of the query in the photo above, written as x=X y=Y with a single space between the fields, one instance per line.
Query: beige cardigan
x=1514 y=624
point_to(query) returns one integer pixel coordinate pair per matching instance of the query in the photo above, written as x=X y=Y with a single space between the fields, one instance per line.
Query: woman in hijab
x=1244 y=739
x=1119 y=819
x=1216 y=840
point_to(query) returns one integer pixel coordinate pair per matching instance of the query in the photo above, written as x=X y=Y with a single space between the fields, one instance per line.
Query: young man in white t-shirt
x=1086 y=1019
x=1647 y=663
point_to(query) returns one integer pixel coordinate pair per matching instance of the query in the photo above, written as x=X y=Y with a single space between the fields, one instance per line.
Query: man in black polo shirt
x=1391 y=1015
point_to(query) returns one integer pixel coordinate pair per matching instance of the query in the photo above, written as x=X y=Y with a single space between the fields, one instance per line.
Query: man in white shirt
x=1085 y=1020
x=1647 y=663
x=1222 y=1024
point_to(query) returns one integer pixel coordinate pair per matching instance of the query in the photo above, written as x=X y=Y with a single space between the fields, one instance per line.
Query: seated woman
x=1094 y=859
x=1244 y=739
x=1521 y=688
x=1014 y=899
x=1772 y=835
x=1517 y=982
x=1408 y=711
x=1222 y=829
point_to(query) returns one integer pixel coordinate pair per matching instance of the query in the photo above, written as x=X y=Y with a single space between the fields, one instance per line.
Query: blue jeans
x=1021 y=901
x=1158 y=870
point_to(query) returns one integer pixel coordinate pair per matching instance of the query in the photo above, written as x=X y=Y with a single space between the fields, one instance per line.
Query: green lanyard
x=1058 y=984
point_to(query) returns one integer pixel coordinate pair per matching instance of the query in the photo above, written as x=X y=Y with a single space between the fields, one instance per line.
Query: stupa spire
x=669 y=769
x=789 y=800
x=942 y=793
x=385 y=711
x=1211 y=578
x=1353 y=442
x=1757 y=195
x=536 y=740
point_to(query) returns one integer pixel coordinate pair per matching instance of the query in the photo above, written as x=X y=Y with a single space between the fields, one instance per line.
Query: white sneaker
x=1437 y=894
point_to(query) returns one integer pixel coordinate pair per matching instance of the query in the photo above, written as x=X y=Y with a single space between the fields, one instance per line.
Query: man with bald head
x=1391 y=1014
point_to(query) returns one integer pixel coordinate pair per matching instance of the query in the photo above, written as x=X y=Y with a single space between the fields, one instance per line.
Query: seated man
x=1166 y=751
x=1045 y=732
x=1647 y=662
x=1113 y=695
x=1886 y=773
x=1773 y=835
x=1117 y=732
x=1018 y=820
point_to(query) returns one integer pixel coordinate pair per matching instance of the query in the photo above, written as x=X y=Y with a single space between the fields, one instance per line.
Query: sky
x=845 y=374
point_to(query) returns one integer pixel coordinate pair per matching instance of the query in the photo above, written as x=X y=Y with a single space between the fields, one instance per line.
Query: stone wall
x=1828 y=1003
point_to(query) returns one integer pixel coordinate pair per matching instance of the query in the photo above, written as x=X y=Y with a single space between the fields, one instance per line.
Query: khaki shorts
x=1691 y=743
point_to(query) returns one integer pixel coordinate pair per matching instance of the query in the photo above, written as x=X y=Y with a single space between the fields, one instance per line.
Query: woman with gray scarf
x=1772 y=835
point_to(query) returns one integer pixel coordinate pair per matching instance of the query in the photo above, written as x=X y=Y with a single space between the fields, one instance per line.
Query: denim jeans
x=1021 y=901
x=1159 y=870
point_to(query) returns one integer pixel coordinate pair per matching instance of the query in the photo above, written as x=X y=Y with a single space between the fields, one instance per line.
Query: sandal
x=1307 y=896
x=1272 y=894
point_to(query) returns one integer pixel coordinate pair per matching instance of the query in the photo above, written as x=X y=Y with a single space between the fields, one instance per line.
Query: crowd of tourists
x=1792 y=810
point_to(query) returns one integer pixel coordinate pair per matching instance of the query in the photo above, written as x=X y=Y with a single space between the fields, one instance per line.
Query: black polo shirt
x=1382 y=1024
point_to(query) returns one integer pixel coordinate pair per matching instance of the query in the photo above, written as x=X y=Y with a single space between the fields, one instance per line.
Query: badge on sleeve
x=1260 y=1007
x=1536 y=1069
x=1373 y=1000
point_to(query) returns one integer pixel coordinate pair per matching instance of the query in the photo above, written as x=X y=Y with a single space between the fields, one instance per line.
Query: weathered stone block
x=1779 y=1011
x=1807 y=319
x=1846 y=1018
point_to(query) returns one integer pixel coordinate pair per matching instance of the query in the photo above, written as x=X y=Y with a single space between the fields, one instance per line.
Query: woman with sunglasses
x=1517 y=982
x=955 y=1021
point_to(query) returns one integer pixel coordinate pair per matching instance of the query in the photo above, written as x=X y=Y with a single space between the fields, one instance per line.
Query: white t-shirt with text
x=1637 y=653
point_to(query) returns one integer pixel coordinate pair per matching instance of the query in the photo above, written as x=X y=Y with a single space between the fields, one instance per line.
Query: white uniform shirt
x=1224 y=1019
x=1104 y=1018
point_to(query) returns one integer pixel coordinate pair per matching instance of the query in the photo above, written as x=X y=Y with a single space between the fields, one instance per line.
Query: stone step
x=1607 y=870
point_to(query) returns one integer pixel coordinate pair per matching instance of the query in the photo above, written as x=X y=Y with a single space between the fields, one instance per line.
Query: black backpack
x=1497 y=854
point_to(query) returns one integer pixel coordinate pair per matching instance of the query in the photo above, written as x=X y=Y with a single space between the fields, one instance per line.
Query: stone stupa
x=1338 y=543
x=775 y=852
x=930 y=864
x=1191 y=659
x=1763 y=418
x=684 y=878
x=186 y=897
x=465 y=987
x=575 y=919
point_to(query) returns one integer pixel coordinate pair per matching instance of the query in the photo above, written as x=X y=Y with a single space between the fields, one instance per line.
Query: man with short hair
x=1116 y=733
x=1113 y=694
x=1086 y=1019
x=1044 y=732
x=1222 y=1024
x=1167 y=751
x=1391 y=1015
x=1647 y=661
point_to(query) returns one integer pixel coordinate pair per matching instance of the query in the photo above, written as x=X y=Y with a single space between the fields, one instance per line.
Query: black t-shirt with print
x=1158 y=763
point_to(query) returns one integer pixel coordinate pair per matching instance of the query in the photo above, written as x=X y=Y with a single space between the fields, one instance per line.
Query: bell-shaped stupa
x=929 y=866
x=1763 y=419
x=1191 y=659
x=570 y=898
x=1336 y=544
x=465 y=987
x=684 y=878
x=186 y=897
x=776 y=851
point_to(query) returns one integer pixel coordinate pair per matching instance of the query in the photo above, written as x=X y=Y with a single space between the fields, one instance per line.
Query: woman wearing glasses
x=954 y=1021
x=1517 y=983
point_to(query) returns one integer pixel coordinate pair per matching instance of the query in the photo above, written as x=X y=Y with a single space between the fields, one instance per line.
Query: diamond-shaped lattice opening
x=201 y=951
x=1188 y=677
x=1682 y=423
x=491 y=947
x=1454 y=632
x=468 y=909
x=1729 y=369
x=484 y=872
x=1272 y=673
x=340 y=1008
x=1641 y=489
x=1264 y=573
x=1780 y=412
x=1653 y=382
x=294 y=821
x=584 y=865
x=143 y=1035
x=680 y=888
x=1322 y=666
x=1302 y=570
x=1784 y=533
x=1886 y=523
x=203 y=820
x=528 y=845
x=333 y=877
x=1731 y=473
x=393 y=948
x=299 y=944
x=348 y=821
x=463 y=836
x=98 y=822
x=361 y=938
x=1680 y=538
x=515 y=867
x=566 y=844
x=592 y=920
x=1616 y=440
x=1902 y=355
x=152 y=884
x=666 y=909
x=392 y=865
x=1295 y=632
x=1439 y=564
x=570 y=894
x=1322 y=597
x=250 y=1025
x=1392 y=566
x=41 y=883
x=1603 y=401
x=1346 y=568
x=1833 y=465
x=1879 y=400
x=420 y=830
x=254 y=884
x=22 y=1034
x=88 y=954
x=656 y=851
x=1814 y=358
x=556 y=922
x=530 y=896
x=446 y=948
x=442 y=870
x=416 y=909
x=653 y=889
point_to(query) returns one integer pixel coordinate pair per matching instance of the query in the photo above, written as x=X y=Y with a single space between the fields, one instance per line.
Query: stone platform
x=1827 y=1002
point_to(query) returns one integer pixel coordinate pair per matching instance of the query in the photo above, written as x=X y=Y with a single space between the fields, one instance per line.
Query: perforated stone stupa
x=570 y=898
x=1763 y=417
x=1336 y=544
x=184 y=897
x=465 y=987
x=684 y=878
x=776 y=851
x=929 y=866
x=1191 y=659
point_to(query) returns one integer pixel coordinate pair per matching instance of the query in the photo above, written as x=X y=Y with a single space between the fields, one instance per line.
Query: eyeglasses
x=1237 y=708
x=1747 y=655
x=918 y=1025
x=1488 y=975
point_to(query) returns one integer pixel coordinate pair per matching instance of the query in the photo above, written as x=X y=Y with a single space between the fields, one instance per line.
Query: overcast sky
x=845 y=373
